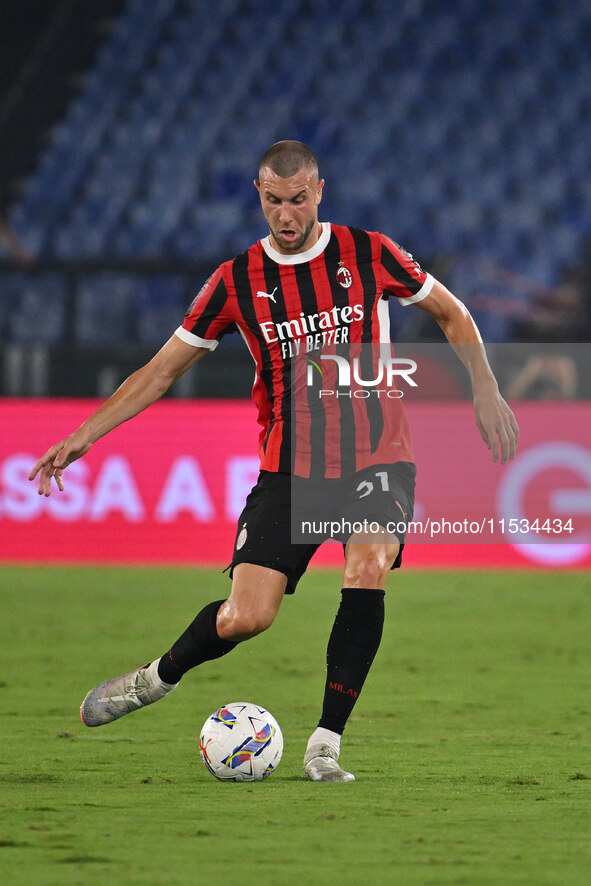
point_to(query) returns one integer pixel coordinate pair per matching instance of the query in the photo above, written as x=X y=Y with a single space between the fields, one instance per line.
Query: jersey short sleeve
x=402 y=276
x=208 y=317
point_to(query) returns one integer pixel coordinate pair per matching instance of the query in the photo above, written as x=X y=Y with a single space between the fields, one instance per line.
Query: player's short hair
x=285 y=158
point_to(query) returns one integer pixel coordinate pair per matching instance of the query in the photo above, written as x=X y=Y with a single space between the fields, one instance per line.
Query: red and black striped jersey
x=286 y=306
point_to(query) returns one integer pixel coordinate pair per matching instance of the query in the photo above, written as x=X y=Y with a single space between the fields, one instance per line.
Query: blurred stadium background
x=130 y=134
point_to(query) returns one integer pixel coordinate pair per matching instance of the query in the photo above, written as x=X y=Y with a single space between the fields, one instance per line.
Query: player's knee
x=368 y=566
x=237 y=625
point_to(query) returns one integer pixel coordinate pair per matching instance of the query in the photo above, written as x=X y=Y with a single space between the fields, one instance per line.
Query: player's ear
x=319 y=191
x=257 y=185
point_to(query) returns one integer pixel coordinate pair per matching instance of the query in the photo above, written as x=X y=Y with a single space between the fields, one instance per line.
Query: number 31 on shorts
x=367 y=486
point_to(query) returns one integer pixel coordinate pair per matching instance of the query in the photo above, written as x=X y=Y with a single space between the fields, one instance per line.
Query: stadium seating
x=459 y=128
x=35 y=308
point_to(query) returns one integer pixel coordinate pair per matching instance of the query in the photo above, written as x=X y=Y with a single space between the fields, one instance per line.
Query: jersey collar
x=299 y=257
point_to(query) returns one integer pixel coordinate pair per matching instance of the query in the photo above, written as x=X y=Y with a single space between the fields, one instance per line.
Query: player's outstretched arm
x=137 y=392
x=494 y=419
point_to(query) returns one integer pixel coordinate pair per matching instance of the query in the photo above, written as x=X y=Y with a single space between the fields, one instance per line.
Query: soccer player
x=305 y=279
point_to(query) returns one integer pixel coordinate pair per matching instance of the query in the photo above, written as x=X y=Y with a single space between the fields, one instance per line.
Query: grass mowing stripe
x=470 y=742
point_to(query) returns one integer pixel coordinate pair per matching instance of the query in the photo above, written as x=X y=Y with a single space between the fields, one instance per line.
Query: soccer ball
x=241 y=742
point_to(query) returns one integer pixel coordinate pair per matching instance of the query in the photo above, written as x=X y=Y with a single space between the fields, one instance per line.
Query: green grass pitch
x=471 y=742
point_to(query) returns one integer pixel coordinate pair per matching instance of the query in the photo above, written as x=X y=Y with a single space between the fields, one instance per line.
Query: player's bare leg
x=353 y=643
x=251 y=608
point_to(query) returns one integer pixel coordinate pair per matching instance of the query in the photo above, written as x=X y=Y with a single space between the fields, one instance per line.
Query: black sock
x=200 y=642
x=352 y=646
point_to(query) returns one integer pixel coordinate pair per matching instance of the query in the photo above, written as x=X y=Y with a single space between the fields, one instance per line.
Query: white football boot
x=114 y=698
x=321 y=764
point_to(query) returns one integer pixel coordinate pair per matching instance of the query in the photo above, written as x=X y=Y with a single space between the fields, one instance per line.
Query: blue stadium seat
x=37 y=308
x=465 y=126
x=105 y=310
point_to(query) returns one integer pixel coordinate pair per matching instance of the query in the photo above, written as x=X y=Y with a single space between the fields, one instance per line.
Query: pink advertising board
x=168 y=487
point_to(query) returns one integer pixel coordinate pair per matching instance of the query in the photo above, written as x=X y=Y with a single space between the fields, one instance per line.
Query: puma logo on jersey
x=270 y=295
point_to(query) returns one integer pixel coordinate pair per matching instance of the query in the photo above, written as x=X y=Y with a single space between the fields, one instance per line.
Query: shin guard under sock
x=200 y=642
x=352 y=646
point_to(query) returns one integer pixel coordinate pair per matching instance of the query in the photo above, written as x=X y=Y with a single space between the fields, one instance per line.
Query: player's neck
x=313 y=238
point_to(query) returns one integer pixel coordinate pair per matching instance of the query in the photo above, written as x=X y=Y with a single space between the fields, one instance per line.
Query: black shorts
x=382 y=494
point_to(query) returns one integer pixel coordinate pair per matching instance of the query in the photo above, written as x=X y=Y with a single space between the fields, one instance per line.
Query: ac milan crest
x=344 y=276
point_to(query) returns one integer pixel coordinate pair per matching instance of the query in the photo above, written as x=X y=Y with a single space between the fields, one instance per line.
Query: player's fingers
x=505 y=443
x=513 y=438
x=511 y=429
x=44 y=484
x=45 y=474
x=58 y=480
x=483 y=433
x=42 y=462
x=46 y=461
x=489 y=435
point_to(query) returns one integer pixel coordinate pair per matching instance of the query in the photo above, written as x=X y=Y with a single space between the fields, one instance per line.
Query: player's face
x=290 y=207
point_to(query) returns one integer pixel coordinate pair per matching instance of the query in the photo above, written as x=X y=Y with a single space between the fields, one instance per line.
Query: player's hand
x=56 y=459
x=497 y=425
